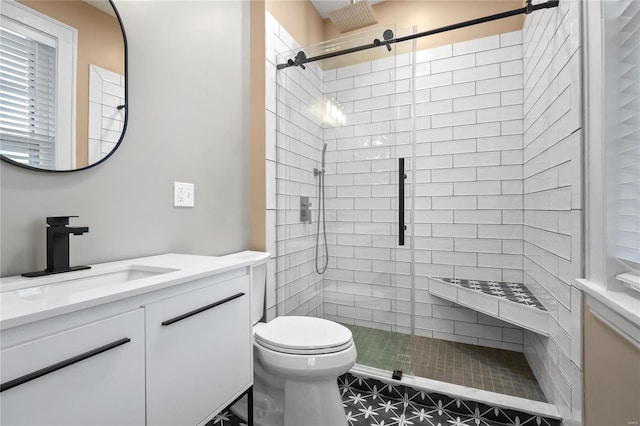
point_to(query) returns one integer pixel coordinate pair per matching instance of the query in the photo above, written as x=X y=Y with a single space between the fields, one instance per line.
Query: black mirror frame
x=126 y=112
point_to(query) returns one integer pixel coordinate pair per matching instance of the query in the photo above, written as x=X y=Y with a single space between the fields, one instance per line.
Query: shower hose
x=321 y=268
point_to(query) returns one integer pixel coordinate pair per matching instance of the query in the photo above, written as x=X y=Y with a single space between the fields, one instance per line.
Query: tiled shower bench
x=510 y=302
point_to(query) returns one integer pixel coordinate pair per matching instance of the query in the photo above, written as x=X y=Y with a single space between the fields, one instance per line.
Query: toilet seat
x=303 y=335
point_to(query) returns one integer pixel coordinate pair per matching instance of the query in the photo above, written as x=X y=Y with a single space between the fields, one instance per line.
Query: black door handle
x=199 y=310
x=62 y=364
x=401 y=178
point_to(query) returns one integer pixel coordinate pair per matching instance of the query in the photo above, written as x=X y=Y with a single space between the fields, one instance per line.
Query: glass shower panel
x=296 y=129
x=362 y=289
x=403 y=128
x=355 y=112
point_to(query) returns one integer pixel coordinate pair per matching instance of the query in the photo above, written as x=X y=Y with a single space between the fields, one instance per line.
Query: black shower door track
x=301 y=58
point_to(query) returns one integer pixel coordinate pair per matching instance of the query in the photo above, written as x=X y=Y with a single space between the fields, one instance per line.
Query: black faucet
x=58 y=246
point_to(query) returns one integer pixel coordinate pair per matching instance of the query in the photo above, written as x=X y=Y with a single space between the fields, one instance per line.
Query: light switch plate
x=183 y=194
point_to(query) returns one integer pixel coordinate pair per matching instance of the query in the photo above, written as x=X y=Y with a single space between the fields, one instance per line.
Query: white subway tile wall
x=468 y=185
x=552 y=140
x=368 y=281
x=293 y=148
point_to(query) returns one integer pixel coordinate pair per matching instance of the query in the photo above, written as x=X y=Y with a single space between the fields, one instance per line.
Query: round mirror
x=63 y=83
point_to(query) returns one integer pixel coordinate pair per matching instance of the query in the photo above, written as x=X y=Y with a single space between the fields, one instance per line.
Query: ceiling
x=325 y=6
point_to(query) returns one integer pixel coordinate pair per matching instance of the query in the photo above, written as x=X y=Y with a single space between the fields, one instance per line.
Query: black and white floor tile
x=371 y=402
x=226 y=418
x=515 y=292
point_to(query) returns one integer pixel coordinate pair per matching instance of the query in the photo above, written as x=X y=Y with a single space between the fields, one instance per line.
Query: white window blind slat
x=622 y=27
x=27 y=113
x=25 y=142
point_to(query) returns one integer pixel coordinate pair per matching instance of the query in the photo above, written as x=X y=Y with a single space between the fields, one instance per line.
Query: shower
x=321 y=215
x=424 y=202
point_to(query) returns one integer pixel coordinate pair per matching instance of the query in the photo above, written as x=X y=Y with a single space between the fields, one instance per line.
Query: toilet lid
x=303 y=335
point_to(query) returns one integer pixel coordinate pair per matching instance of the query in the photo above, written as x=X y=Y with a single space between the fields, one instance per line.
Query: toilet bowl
x=297 y=361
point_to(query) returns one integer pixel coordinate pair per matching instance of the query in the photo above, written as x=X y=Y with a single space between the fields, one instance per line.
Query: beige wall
x=427 y=15
x=257 y=189
x=300 y=19
x=99 y=42
x=611 y=376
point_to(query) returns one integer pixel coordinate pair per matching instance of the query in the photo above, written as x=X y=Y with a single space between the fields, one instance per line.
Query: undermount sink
x=89 y=279
x=25 y=300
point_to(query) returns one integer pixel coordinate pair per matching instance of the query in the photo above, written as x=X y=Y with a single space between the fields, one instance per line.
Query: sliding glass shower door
x=347 y=122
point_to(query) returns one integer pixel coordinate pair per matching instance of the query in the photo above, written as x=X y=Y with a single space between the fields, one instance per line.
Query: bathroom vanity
x=162 y=340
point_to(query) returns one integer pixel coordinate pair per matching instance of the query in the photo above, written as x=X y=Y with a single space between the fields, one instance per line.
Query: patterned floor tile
x=226 y=418
x=371 y=402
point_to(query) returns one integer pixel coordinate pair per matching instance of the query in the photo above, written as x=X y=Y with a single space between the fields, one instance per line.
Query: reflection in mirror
x=62 y=83
x=106 y=111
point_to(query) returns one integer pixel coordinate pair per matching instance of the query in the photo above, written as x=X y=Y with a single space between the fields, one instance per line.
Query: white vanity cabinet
x=198 y=352
x=162 y=340
x=86 y=375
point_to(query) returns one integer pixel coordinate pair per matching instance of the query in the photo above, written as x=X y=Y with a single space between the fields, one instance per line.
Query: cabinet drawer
x=89 y=375
x=198 y=352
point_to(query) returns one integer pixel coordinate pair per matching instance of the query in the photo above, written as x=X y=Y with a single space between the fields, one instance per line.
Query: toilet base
x=309 y=406
x=316 y=405
x=293 y=401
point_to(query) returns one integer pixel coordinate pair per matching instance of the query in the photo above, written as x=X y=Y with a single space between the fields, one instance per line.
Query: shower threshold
x=495 y=371
x=463 y=393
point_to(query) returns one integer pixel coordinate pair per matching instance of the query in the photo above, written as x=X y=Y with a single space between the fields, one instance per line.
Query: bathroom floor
x=370 y=402
x=495 y=370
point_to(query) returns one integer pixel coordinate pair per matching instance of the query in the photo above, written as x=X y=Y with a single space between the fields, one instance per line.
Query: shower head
x=324 y=150
x=356 y=15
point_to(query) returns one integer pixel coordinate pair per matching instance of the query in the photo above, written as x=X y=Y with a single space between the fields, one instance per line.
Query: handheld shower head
x=324 y=150
x=317 y=172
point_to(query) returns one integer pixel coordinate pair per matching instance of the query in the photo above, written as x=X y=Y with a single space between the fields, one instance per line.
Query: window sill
x=630 y=280
x=620 y=310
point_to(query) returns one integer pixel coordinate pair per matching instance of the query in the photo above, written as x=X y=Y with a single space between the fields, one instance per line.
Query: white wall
x=553 y=198
x=188 y=121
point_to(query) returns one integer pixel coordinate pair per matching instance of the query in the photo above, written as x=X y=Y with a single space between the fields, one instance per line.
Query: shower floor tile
x=494 y=370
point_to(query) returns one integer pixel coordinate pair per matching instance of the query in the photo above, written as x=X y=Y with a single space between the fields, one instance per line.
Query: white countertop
x=24 y=300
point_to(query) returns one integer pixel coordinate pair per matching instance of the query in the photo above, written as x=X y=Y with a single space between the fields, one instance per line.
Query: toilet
x=297 y=361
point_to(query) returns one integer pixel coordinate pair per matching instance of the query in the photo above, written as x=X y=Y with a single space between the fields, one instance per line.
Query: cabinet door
x=201 y=356
x=89 y=375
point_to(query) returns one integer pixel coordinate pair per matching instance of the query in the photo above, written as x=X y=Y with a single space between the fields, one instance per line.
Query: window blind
x=623 y=142
x=27 y=99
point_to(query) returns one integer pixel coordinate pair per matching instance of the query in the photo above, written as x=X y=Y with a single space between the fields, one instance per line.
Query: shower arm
x=529 y=8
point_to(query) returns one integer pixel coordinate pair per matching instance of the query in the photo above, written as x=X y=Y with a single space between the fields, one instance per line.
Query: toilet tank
x=258 y=280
